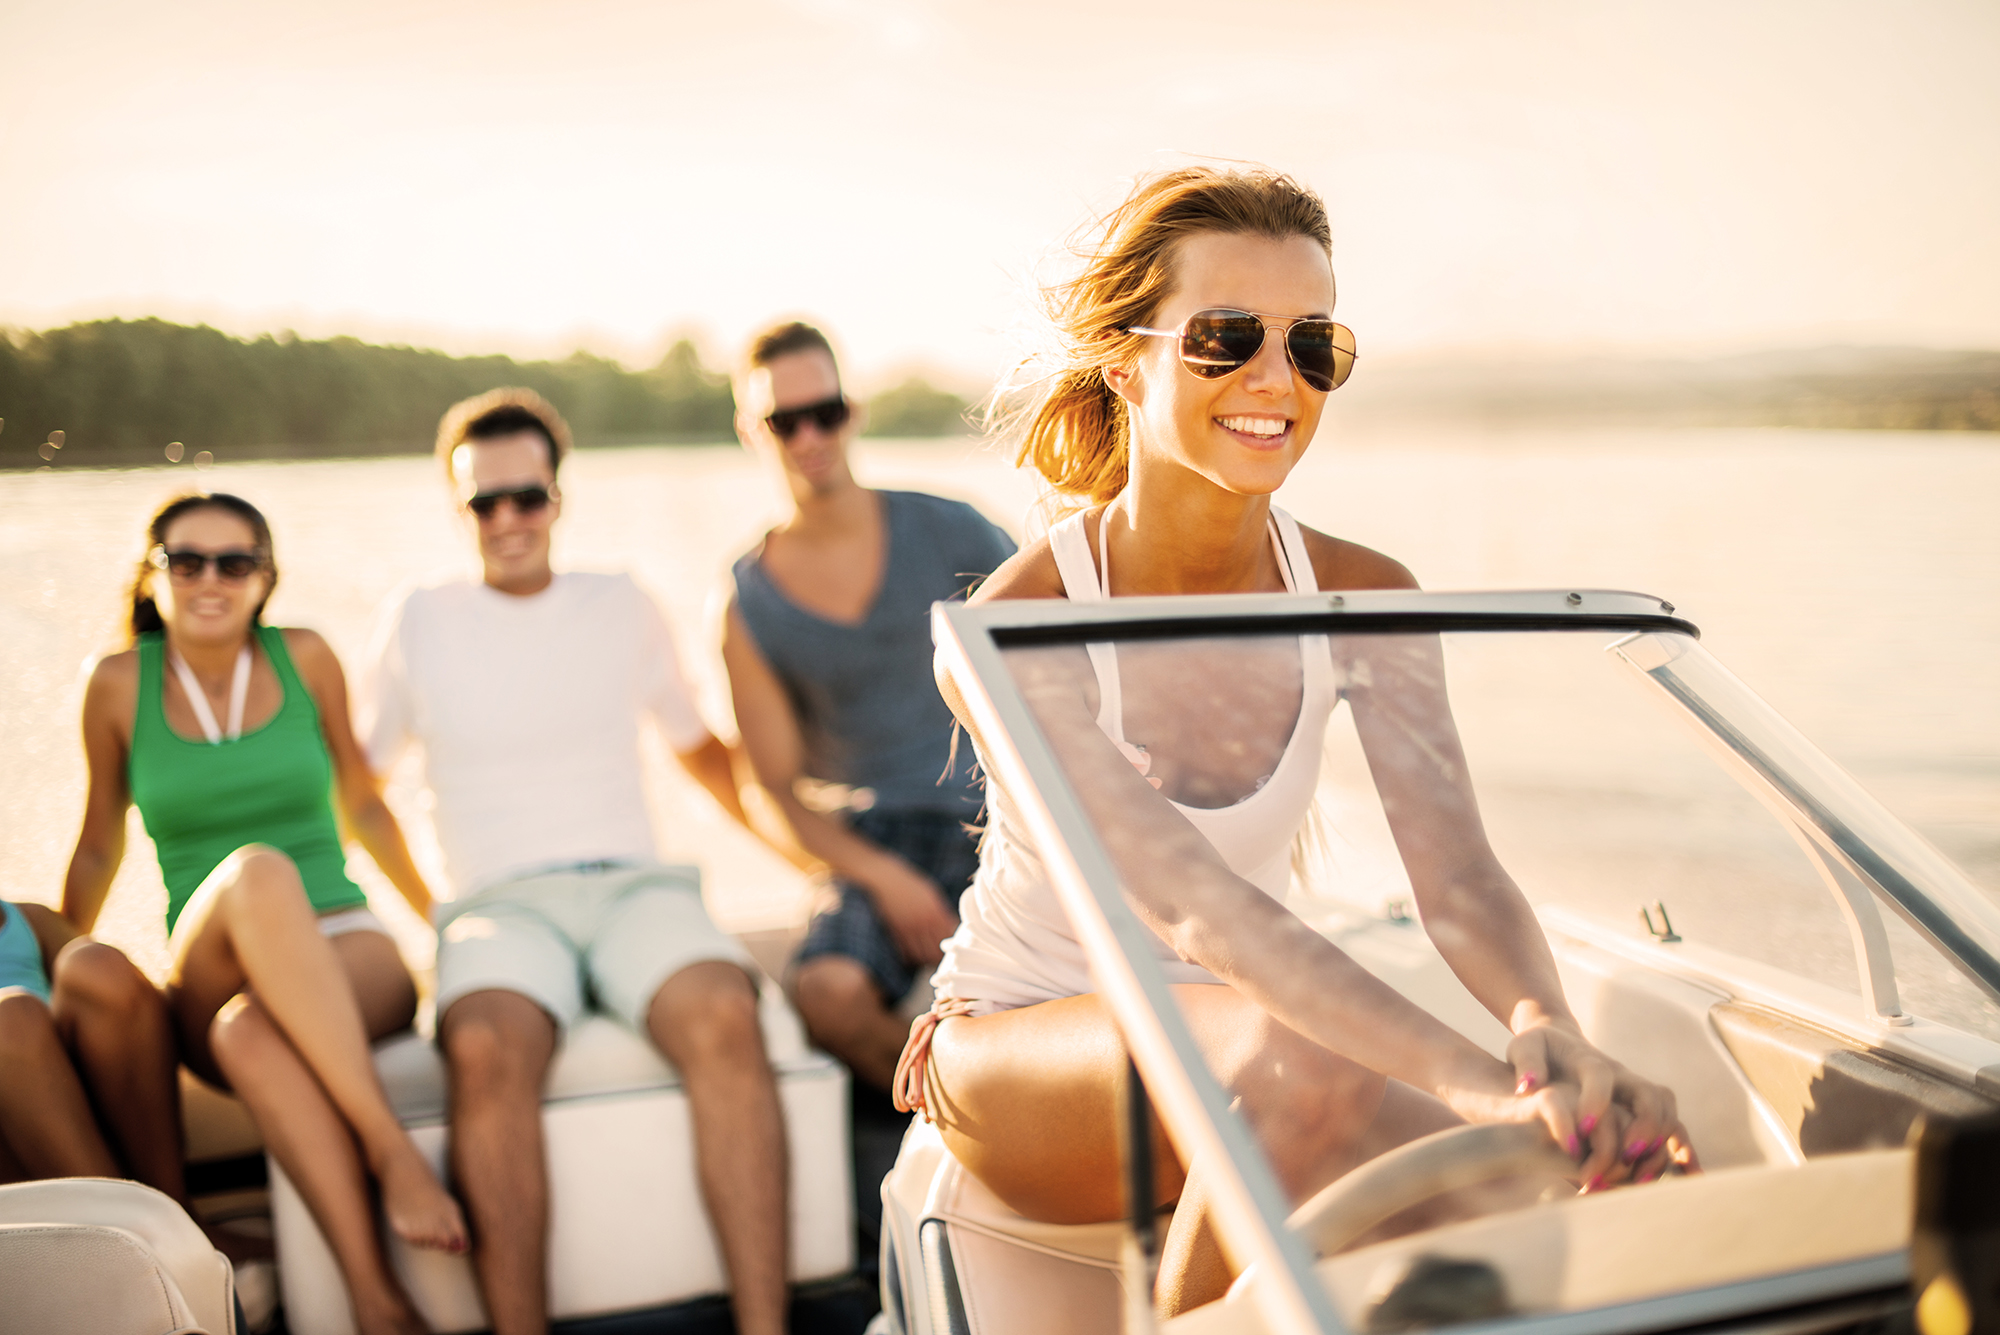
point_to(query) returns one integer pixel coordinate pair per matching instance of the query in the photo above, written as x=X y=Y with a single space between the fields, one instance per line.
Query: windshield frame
x=1836 y=822
x=1251 y=1209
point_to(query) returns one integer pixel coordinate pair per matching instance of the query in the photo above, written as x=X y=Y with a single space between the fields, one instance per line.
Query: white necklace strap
x=239 y=693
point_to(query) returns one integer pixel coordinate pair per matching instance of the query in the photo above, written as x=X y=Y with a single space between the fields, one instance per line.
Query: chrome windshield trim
x=1778 y=763
x=1362 y=611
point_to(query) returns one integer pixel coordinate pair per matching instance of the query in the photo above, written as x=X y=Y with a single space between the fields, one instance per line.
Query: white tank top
x=1014 y=945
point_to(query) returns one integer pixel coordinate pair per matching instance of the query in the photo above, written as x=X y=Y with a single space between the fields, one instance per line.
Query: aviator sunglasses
x=1220 y=342
x=235 y=567
x=827 y=415
x=525 y=500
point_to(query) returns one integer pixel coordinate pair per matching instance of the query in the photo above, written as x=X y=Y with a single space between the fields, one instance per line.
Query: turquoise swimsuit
x=20 y=954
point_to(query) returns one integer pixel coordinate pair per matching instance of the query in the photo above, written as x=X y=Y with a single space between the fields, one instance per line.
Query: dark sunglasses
x=525 y=500
x=827 y=415
x=1220 y=342
x=232 y=566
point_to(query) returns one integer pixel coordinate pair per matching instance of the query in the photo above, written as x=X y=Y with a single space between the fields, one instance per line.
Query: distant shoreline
x=132 y=392
x=128 y=393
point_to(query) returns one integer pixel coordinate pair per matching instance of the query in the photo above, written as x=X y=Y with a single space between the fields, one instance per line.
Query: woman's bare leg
x=307 y=1134
x=1027 y=1100
x=250 y=927
x=45 y=1116
x=1193 y=1270
x=117 y=1028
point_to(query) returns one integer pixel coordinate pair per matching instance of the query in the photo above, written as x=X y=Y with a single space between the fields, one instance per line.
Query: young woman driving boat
x=231 y=736
x=1200 y=349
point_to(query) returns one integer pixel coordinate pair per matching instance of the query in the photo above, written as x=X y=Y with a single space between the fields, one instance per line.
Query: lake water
x=1851 y=578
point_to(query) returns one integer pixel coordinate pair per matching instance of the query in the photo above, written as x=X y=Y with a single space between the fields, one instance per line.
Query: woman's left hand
x=1638 y=1146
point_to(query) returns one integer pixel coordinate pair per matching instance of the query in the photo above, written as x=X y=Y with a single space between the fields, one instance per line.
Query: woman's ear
x=1125 y=382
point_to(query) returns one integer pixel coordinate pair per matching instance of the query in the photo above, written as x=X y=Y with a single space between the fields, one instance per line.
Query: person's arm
x=1182 y=889
x=108 y=703
x=712 y=764
x=52 y=932
x=1471 y=908
x=356 y=789
x=910 y=903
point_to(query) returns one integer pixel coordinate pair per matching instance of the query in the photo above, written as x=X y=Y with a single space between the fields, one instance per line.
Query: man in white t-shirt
x=524 y=693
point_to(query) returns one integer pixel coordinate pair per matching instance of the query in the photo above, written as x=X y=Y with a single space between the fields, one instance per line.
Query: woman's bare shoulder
x=1028 y=573
x=111 y=692
x=1340 y=564
x=113 y=673
x=308 y=648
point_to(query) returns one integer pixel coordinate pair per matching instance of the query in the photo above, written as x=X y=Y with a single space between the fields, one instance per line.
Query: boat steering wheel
x=1408 y=1175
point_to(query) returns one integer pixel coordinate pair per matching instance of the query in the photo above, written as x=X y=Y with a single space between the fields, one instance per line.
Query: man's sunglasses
x=827 y=415
x=1219 y=342
x=525 y=500
x=234 y=567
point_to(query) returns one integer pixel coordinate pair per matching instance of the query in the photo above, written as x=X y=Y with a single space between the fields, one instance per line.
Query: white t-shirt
x=527 y=713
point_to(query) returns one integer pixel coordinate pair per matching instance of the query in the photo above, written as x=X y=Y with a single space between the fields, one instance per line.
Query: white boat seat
x=99 y=1256
x=628 y=1229
x=1013 y=1273
x=962 y=1199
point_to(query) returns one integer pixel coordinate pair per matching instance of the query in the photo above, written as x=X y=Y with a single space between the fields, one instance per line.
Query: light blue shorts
x=608 y=937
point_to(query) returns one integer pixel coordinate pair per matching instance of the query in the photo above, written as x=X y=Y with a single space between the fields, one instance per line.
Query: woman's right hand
x=1597 y=1145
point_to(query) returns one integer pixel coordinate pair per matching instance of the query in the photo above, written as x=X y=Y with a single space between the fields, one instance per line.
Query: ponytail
x=1077 y=437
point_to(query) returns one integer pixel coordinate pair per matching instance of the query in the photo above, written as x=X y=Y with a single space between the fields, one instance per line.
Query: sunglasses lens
x=830 y=415
x=525 y=500
x=1323 y=352
x=186 y=565
x=236 y=565
x=784 y=424
x=1214 y=343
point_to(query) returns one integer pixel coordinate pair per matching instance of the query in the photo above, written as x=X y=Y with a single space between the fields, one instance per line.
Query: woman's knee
x=262 y=879
x=240 y=1035
x=1307 y=1106
x=92 y=976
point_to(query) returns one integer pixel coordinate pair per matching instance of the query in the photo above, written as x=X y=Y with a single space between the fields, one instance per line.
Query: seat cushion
x=131 y=1231
x=85 y=1279
x=598 y=1056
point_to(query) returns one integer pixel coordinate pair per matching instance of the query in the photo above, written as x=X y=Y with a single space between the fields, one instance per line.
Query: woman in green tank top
x=233 y=739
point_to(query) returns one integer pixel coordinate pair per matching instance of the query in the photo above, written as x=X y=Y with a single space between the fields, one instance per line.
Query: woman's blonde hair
x=1076 y=434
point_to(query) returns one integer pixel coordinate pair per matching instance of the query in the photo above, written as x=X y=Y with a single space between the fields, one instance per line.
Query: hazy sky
x=1682 y=174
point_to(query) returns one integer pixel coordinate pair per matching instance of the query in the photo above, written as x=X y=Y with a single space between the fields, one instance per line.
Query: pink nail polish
x=1595 y=1184
x=1527 y=1084
x=1635 y=1151
x=1586 y=1124
x=1575 y=1149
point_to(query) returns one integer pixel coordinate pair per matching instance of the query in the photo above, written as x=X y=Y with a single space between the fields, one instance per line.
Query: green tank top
x=202 y=801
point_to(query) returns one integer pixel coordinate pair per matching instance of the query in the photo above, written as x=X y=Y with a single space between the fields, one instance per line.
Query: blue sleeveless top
x=868 y=708
x=21 y=954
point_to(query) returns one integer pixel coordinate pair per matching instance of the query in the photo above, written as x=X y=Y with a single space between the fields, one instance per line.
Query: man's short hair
x=782 y=340
x=498 y=413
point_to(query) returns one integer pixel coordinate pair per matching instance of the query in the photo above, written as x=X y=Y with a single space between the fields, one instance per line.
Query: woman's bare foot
x=418 y=1208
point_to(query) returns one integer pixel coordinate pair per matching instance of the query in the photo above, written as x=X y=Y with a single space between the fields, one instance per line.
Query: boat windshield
x=1389 y=768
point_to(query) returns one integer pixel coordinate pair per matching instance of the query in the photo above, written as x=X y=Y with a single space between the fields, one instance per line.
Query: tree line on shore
x=140 y=391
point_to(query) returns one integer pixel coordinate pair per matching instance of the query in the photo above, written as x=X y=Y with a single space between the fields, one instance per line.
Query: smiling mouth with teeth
x=1256 y=426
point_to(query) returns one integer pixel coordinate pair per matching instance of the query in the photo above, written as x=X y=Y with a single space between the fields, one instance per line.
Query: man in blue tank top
x=828 y=646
